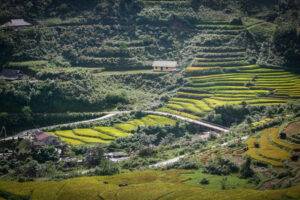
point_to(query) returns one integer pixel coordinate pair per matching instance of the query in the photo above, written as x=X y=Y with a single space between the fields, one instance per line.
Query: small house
x=11 y=74
x=16 y=23
x=164 y=66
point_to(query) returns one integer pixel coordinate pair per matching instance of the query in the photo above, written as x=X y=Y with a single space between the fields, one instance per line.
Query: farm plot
x=148 y=184
x=253 y=85
x=101 y=134
x=221 y=75
x=269 y=148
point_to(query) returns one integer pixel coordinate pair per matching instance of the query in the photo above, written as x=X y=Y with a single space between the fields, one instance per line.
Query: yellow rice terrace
x=150 y=100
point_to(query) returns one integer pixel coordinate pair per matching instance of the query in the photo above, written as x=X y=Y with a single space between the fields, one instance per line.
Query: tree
x=287 y=44
x=6 y=49
x=195 y=4
x=246 y=6
x=106 y=168
x=45 y=154
x=204 y=181
x=26 y=110
x=94 y=156
x=246 y=171
x=30 y=169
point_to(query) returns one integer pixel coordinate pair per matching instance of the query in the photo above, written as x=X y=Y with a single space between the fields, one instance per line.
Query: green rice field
x=105 y=135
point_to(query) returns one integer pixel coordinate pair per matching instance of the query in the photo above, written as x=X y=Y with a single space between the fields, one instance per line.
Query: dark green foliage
x=247 y=6
x=14 y=122
x=147 y=152
x=246 y=171
x=149 y=136
x=287 y=45
x=6 y=48
x=94 y=156
x=220 y=166
x=106 y=168
x=234 y=114
x=184 y=164
x=282 y=135
x=228 y=114
x=47 y=153
x=204 y=181
x=55 y=8
x=10 y=196
x=29 y=170
x=213 y=4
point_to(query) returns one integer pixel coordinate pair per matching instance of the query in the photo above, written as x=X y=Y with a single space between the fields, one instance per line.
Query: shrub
x=185 y=164
x=220 y=166
x=236 y=21
x=223 y=183
x=246 y=171
x=286 y=42
x=147 y=152
x=282 y=135
x=204 y=181
x=106 y=168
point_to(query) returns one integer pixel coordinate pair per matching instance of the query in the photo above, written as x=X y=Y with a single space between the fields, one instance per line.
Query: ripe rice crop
x=274 y=136
x=111 y=131
x=184 y=114
x=269 y=150
x=126 y=127
x=162 y=120
x=92 y=133
x=189 y=107
x=200 y=104
x=71 y=141
x=70 y=135
x=148 y=184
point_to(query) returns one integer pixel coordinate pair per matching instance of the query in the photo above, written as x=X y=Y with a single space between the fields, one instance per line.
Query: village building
x=11 y=74
x=117 y=156
x=164 y=66
x=16 y=23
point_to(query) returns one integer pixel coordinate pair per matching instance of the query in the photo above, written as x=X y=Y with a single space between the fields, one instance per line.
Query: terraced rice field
x=269 y=148
x=293 y=132
x=104 y=135
x=221 y=75
x=146 y=185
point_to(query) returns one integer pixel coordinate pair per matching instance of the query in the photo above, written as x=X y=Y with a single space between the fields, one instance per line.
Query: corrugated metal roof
x=16 y=22
x=161 y=63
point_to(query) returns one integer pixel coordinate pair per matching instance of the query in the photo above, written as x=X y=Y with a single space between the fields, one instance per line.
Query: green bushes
x=246 y=171
x=287 y=44
x=220 y=166
x=184 y=164
x=204 y=181
x=10 y=196
x=106 y=168
x=146 y=137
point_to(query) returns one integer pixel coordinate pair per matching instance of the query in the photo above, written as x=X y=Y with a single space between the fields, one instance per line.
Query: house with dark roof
x=16 y=23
